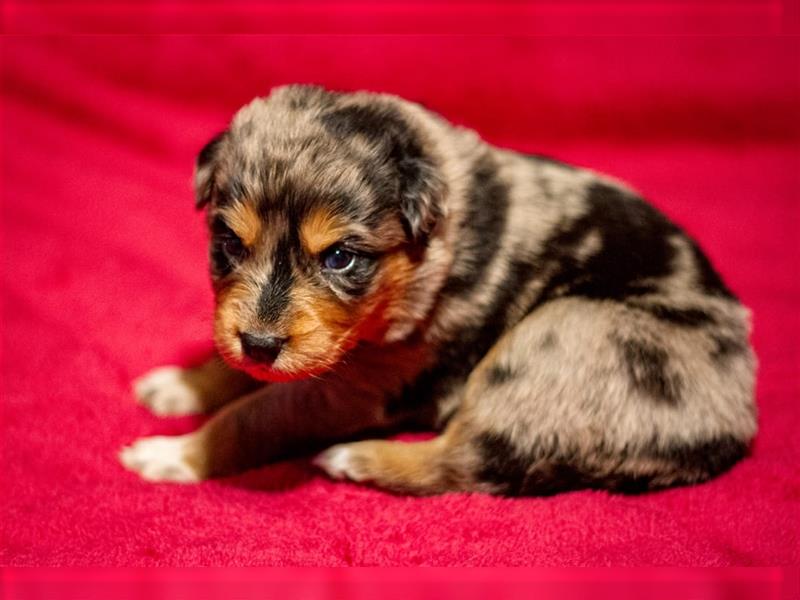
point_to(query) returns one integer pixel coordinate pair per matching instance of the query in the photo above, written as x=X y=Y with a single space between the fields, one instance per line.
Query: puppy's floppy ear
x=420 y=185
x=397 y=148
x=205 y=168
x=421 y=189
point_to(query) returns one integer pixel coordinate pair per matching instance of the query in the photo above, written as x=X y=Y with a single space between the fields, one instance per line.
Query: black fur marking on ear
x=379 y=125
x=276 y=294
x=482 y=230
x=386 y=130
x=204 y=181
x=234 y=189
x=208 y=152
x=647 y=369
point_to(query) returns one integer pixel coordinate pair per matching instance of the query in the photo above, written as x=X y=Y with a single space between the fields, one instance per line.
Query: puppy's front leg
x=175 y=391
x=279 y=420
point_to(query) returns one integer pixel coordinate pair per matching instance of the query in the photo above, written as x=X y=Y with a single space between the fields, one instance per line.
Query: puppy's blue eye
x=338 y=259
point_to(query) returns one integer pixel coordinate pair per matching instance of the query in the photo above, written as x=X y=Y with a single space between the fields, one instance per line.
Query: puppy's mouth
x=270 y=370
x=283 y=368
x=301 y=356
x=267 y=372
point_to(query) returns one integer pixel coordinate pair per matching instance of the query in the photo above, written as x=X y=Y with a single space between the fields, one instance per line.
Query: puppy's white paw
x=160 y=458
x=342 y=462
x=166 y=392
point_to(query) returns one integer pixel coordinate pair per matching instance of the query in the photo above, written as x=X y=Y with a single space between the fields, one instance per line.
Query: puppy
x=375 y=268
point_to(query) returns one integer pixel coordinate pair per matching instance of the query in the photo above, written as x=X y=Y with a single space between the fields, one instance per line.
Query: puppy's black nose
x=262 y=348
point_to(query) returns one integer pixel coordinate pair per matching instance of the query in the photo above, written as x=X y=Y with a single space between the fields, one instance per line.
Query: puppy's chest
x=409 y=380
x=432 y=388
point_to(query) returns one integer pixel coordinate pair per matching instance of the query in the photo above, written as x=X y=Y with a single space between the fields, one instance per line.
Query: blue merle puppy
x=377 y=268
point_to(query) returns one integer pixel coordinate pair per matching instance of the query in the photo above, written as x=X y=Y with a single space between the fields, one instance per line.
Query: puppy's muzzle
x=262 y=348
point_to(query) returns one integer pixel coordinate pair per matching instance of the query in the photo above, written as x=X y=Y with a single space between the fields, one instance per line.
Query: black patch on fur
x=500 y=374
x=474 y=342
x=380 y=125
x=635 y=248
x=685 y=317
x=708 y=278
x=544 y=472
x=647 y=367
x=482 y=230
x=276 y=294
x=706 y=459
x=552 y=468
x=209 y=151
x=501 y=464
x=497 y=319
x=726 y=347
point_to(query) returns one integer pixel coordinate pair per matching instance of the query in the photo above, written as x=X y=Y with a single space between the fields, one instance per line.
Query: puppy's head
x=322 y=208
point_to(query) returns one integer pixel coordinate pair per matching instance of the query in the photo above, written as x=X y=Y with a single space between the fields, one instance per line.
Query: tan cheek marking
x=319 y=331
x=397 y=272
x=313 y=310
x=321 y=229
x=245 y=221
x=228 y=316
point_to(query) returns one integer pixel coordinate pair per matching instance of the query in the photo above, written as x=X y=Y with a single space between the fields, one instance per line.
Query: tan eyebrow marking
x=244 y=220
x=320 y=229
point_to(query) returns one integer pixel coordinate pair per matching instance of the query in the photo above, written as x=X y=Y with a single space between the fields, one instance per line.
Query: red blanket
x=104 y=277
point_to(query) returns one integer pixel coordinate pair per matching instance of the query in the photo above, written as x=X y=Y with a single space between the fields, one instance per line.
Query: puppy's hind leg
x=176 y=391
x=443 y=464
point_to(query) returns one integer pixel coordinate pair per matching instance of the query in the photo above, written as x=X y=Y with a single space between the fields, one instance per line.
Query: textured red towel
x=104 y=277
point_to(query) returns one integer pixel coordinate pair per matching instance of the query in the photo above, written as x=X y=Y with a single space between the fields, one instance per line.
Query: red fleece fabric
x=104 y=276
